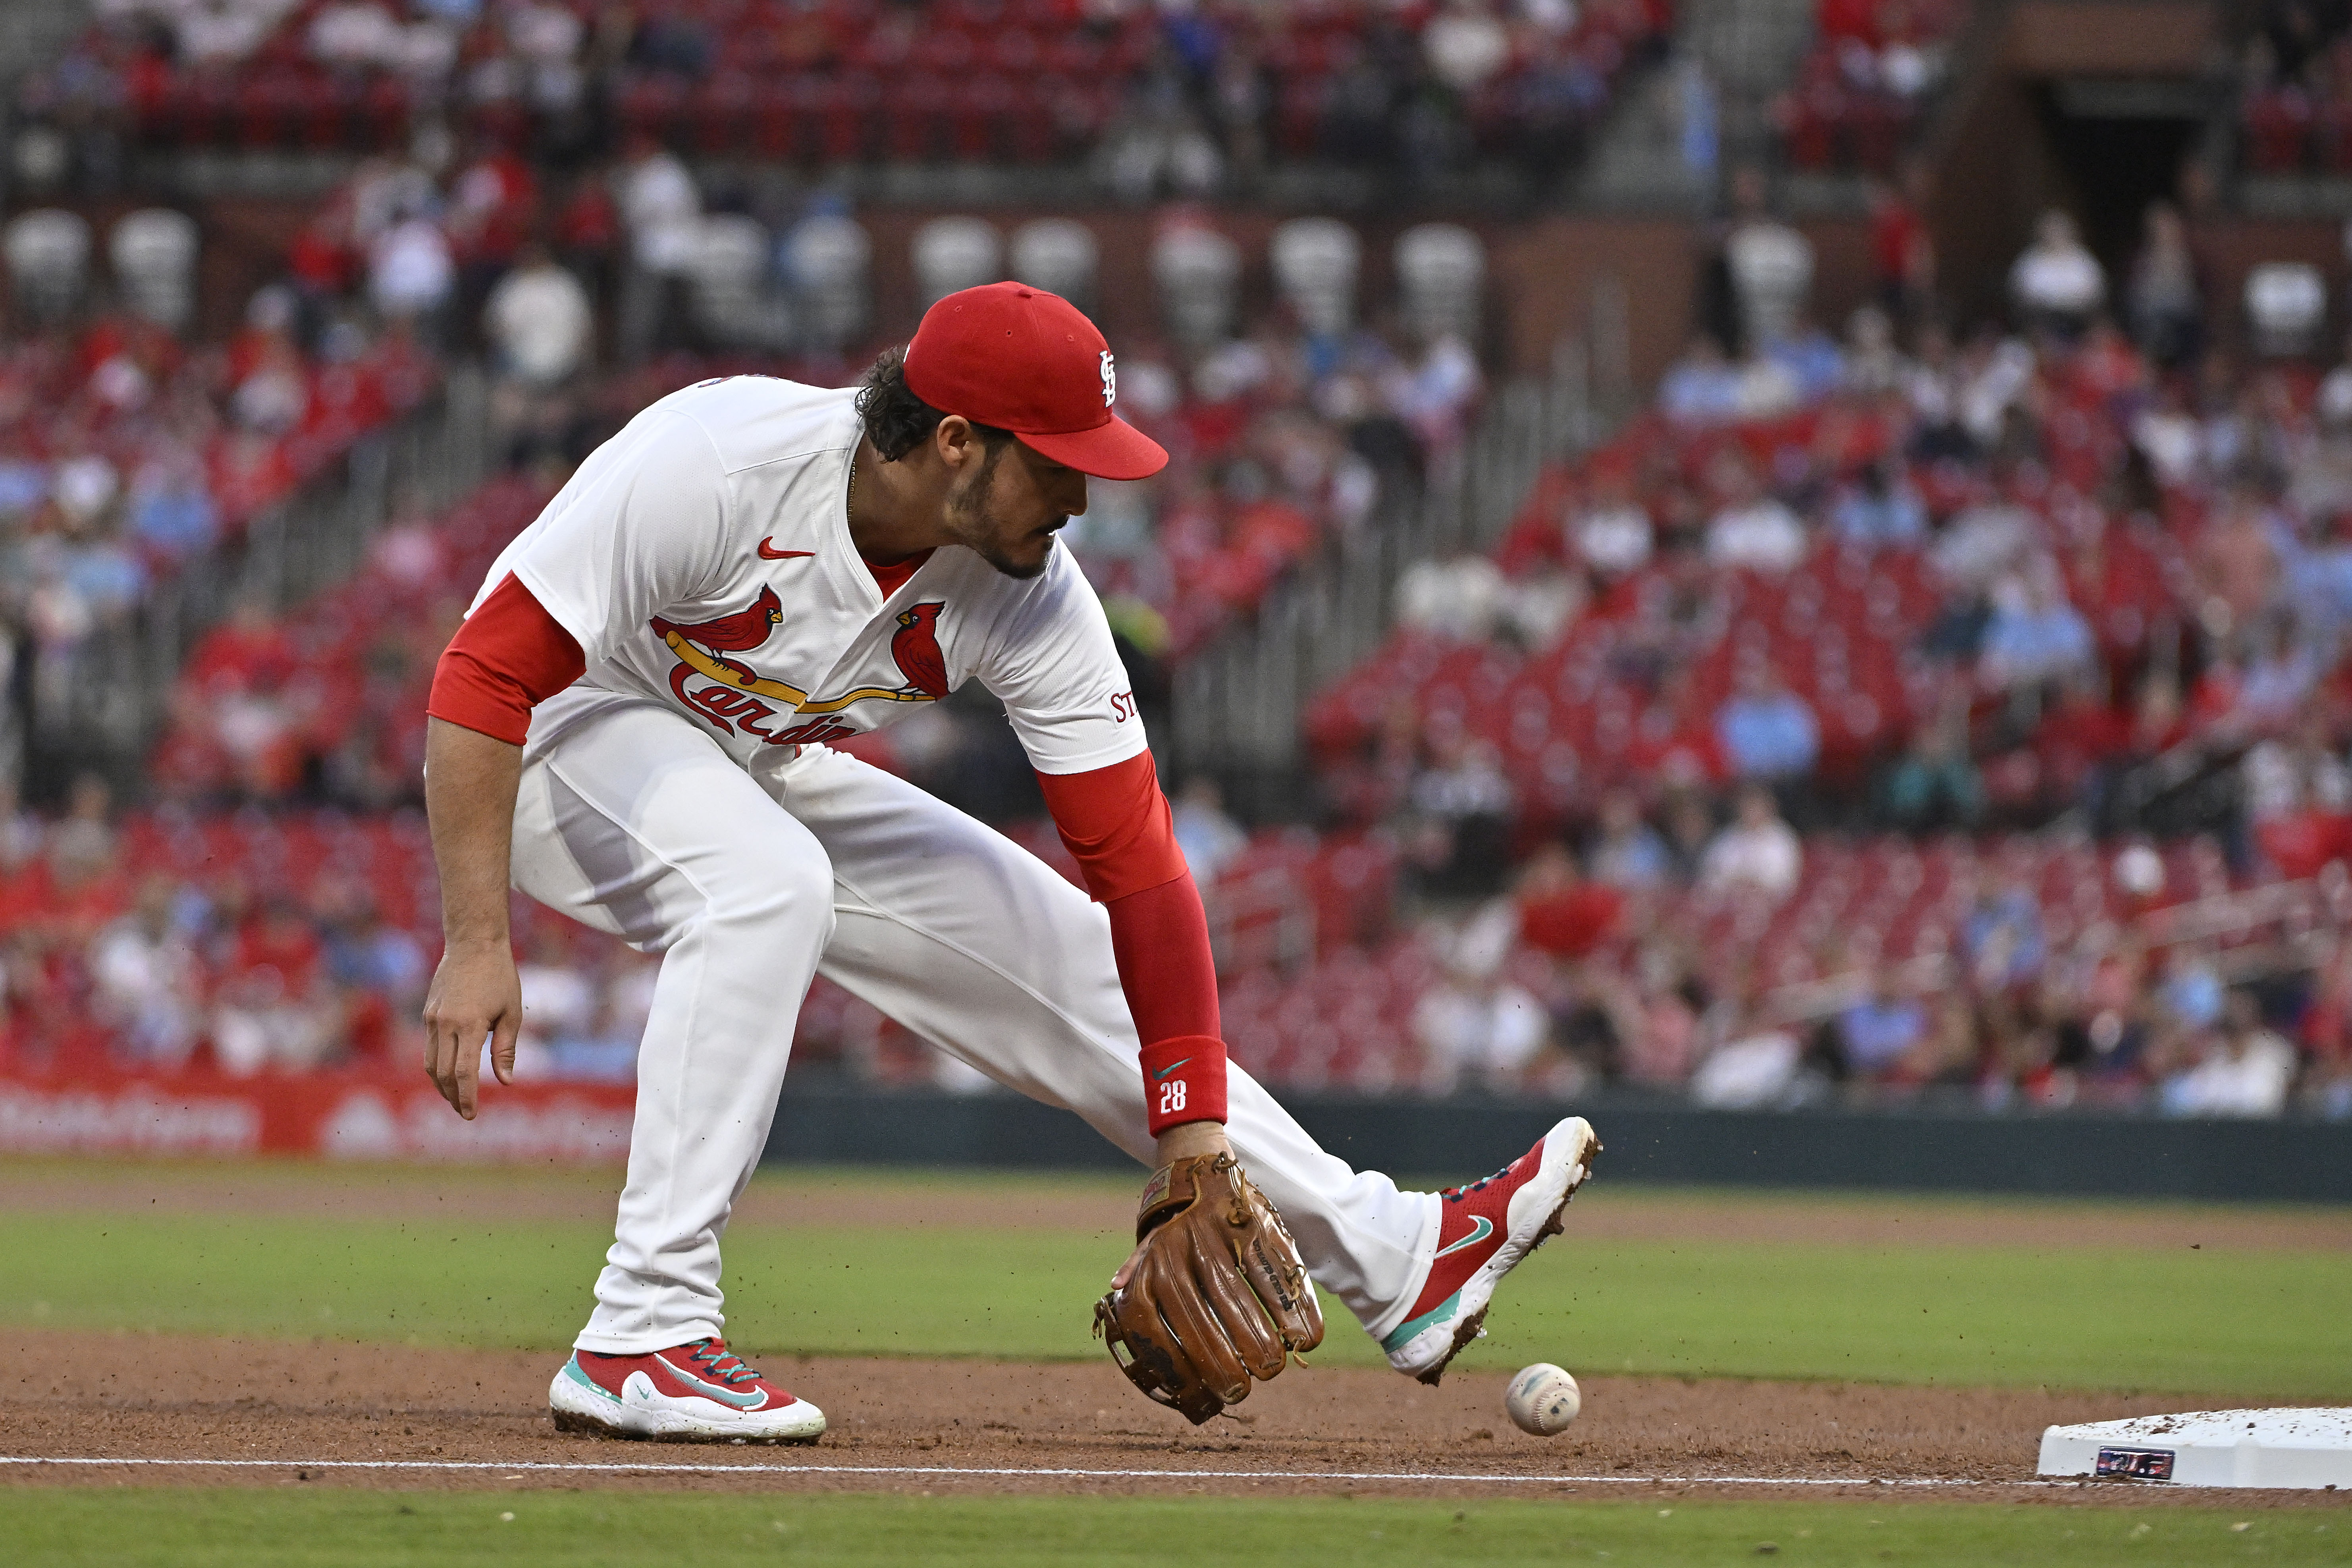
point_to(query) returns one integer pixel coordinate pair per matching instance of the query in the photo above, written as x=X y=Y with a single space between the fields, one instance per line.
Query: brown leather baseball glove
x=1213 y=1295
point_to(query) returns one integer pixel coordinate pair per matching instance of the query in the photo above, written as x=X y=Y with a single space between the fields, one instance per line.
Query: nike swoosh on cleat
x=768 y=552
x=711 y=1390
x=1172 y=1067
x=1485 y=1228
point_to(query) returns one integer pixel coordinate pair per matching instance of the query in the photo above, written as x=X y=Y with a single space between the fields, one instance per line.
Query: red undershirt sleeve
x=1117 y=823
x=510 y=657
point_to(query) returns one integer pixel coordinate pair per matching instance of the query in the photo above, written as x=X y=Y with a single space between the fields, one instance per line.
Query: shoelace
x=1456 y=1194
x=714 y=1356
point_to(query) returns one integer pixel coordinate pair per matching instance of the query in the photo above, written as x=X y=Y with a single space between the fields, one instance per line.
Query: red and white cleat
x=1484 y=1230
x=698 y=1393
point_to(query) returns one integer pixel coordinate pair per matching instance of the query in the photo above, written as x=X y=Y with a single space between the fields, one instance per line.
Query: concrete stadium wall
x=2278 y=1161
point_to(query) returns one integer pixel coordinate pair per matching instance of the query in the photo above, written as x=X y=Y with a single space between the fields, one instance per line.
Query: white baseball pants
x=633 y=821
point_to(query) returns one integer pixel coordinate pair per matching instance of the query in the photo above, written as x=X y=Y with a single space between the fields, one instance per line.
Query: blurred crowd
x=1291 y=418
x=1860 y=94
x=1164 y=99
x=2088 y=576
x=2010 y=975
x=2046 y=619
x=1287 y=428
x=325 y=704
x=1748 y=968
x=119 y=946
x=168 y=942
x=128 y=451
x=1290 y=422
x=2295 y=82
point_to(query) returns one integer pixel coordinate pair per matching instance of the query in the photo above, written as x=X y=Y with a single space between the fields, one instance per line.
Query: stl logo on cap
x=1016 y=358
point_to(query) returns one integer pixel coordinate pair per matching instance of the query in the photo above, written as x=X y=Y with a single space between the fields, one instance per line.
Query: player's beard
x=971 y=523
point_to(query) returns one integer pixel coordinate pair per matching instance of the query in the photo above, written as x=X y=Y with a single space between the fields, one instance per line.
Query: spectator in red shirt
x=278 y=938
x=239 y=700
x=1838 y=20
x=586 y=231
x=250 y=471
x=1902 y=252
x=2298 y=796
x=320 y=262
x=493 y=207
x=1674 y=740
x=248 y=651
x=1561 y=913
x=2081 y=734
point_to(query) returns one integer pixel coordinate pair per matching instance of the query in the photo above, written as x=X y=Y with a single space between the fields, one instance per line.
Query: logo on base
x=2132 y=1465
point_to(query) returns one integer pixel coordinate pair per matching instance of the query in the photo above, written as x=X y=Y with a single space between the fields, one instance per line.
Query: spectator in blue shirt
x=1882 y=508
x=1881 y=1029
x=2035 y=635
x=2003 y=939
x=1766 y=731
x=171 y=512
x=24 y=485
x=1702 y=387
x=1629 y=855
x=1812 y=360
x=99 y=569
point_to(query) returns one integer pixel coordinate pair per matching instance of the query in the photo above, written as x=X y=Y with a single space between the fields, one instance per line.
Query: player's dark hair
x=897 y=421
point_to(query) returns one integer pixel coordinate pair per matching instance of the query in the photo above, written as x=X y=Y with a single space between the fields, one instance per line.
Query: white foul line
x=951 y=1470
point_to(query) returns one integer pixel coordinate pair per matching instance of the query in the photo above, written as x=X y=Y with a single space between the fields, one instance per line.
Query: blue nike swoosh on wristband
x=1172 y=1067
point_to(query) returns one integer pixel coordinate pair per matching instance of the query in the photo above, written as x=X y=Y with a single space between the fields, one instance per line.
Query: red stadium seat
x=2278 y=124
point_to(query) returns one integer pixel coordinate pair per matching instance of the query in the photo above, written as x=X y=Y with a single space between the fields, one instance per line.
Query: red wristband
x=1183 y=1080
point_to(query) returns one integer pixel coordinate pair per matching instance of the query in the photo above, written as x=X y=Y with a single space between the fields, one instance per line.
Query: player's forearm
x=1159 y=939
x=470 y=780
x=1116 y=822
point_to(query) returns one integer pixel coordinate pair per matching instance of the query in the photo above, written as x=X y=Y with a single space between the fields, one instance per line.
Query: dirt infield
x=1323 y=1430
x=915 y=1425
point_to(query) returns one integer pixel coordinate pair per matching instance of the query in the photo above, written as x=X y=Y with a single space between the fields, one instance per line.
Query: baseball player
x=630 y=728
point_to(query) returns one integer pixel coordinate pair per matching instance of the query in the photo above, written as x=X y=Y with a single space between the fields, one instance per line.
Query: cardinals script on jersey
x=702 y=557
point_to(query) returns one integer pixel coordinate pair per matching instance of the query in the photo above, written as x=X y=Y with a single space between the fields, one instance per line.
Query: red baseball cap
x=1029 y=361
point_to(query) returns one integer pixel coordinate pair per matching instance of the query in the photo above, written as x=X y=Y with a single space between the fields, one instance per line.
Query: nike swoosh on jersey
x=1485 y=1227
x=1172 y=1067
x=768 y=552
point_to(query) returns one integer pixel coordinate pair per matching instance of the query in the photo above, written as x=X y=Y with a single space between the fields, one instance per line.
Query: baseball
x=1542 y=1399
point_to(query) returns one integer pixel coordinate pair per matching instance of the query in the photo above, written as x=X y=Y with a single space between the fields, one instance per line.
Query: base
x=2302 y=1448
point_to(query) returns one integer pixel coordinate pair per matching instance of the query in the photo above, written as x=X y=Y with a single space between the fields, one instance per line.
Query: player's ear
x=955 y=441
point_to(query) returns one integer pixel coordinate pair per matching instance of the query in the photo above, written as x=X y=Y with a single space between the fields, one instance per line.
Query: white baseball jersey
x=702 y=557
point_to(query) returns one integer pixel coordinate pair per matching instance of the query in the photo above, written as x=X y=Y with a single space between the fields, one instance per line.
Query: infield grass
x=246 y=1529
x=2268 y=1324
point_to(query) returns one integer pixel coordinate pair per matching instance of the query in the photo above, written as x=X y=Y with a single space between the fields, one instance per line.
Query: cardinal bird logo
x=739 y=633
x=916 y=645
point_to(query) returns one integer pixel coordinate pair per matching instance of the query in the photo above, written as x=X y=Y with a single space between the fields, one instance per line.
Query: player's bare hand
x=476 y=994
